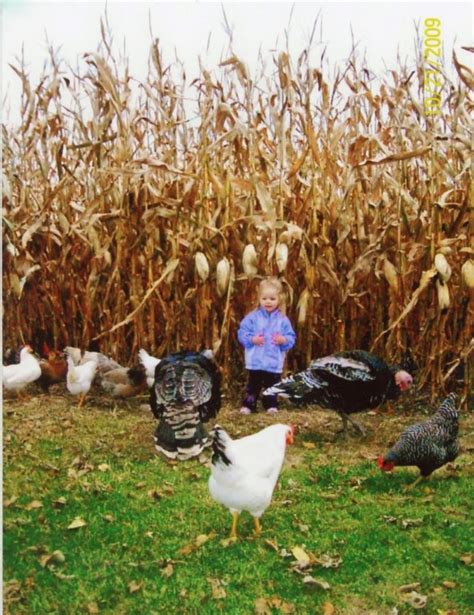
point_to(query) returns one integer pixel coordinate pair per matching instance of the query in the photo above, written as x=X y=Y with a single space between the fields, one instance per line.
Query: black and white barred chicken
x=347 y=382
x=429 y=445
x=185 y=394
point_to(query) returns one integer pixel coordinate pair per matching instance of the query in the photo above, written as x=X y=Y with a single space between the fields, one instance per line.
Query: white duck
x=149 y=363
x=15 y=377
x=79 y=378
x=244 y=472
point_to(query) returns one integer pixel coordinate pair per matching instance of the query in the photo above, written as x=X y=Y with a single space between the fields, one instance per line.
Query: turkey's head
x=385 y=465
x=403 y=380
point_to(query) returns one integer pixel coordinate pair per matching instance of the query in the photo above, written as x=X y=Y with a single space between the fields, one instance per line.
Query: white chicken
x=104 y=364
x=15 y=377
x=149 y=363
x=79 y=378
x=244 y=472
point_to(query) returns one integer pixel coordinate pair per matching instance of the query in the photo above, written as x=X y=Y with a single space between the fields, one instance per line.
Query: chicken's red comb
x=380 y=462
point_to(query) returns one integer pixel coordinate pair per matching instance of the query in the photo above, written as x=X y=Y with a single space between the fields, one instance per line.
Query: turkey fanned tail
x=185 y=394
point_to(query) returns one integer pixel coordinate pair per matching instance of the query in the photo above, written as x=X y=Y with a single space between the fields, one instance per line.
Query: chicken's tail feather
x=220 y=440
x=448 y=407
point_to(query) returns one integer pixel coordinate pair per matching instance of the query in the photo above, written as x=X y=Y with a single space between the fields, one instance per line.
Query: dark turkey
x=429 y=445
x=185 y=394
x=347 y=382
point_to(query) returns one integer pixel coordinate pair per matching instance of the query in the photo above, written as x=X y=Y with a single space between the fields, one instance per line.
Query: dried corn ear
x=281 y=256
x=391 y=274
x=202 y=266
x=467 y=273
x=222 y=276
x=442 y=267
x=249 y=260
x=443 y=295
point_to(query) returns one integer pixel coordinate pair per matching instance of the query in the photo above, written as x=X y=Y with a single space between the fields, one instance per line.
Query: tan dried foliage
x=128 y=221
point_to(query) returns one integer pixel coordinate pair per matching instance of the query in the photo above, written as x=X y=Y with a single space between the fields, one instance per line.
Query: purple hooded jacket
x=269 y=356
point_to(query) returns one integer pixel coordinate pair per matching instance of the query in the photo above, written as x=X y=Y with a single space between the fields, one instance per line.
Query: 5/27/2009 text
x=432 y=75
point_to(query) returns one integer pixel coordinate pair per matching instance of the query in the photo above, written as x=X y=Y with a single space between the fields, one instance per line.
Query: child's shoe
x=245 y=410
x=272 y=411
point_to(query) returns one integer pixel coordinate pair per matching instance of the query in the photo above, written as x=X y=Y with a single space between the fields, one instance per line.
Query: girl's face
x=269 y=299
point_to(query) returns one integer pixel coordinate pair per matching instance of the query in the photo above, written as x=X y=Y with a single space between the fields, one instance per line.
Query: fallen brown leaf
x=202 y=538
x=409 y=587
x=33 y=505
x=300 y=555
x=61 y=575
x=56 y=557
x=155 y=494
x=217 y=588
x=329 y=561
x=416 y=600
x=328 y=609
x=59 y=502
x=76 y=524
x=8 y=503
x=11 y=592
x=309 y=580
x=134 y=587
x=197 y=542
x=406 y=523
x=273 y=545
x=167 y=571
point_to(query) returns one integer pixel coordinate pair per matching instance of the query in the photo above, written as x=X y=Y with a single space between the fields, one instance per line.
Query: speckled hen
x=429 y=445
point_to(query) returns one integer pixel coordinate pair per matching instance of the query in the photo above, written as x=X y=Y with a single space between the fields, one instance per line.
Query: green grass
x=129 y=558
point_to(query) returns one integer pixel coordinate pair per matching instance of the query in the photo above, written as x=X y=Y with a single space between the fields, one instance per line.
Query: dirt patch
x=126 y=428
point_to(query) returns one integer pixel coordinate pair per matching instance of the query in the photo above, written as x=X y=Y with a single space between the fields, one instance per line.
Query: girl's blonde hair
x=277 y=286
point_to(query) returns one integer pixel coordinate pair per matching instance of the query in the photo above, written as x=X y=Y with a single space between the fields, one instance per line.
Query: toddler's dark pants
x=260 y=380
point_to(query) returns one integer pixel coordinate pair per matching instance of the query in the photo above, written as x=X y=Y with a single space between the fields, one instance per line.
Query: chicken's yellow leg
x=418 y=480
x=258 y=527
x=81 y=400
x=233 y=531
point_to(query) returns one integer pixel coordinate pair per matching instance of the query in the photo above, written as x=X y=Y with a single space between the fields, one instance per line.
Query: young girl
x=266 y=334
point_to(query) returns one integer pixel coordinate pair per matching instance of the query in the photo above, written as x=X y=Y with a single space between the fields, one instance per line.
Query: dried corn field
x=135 y=217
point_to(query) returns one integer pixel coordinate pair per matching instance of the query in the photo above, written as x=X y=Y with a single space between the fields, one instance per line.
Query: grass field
x=149 y=539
